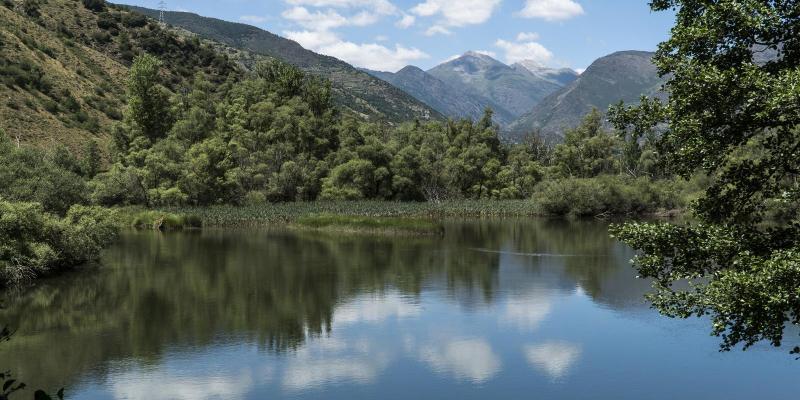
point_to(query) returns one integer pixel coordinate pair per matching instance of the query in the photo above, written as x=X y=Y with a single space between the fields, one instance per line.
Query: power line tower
x=162 y=6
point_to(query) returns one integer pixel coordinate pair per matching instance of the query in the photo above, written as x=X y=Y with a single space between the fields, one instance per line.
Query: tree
x=148 y=101
x=587 y=151
x=732 y=113
x=92 y=159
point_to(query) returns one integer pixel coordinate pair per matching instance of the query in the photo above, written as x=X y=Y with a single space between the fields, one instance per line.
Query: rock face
x=625 y=75
x=353 y=89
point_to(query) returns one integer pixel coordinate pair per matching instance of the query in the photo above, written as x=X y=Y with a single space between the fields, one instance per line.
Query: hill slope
x=358 y=91
x=509 y=90
x=63 y=68
x=451 y=101
x=625 y=76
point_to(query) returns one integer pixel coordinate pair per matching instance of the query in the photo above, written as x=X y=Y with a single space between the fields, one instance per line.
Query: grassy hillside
x=354 y=90
x=63 y=67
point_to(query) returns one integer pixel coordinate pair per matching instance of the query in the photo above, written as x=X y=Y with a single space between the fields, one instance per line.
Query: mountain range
x=63 y=73
x=524 y=96
x=621 y=76
x=465 y=86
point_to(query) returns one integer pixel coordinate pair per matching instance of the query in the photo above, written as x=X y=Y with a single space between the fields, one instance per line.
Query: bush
x=33 y=242
x=119 y=186
x=29 y=175
x=134 y=20
x=95 y=5
x=605 y=195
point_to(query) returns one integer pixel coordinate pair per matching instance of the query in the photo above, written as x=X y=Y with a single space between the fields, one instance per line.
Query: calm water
x=502 y=309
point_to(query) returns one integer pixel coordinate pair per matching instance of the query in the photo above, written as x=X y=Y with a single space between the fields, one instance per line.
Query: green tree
x=587 y=151
x=148 y=101
x=92 y=159
x=733 y=78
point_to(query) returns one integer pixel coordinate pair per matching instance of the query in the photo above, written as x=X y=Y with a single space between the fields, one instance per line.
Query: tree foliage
x=733 y=113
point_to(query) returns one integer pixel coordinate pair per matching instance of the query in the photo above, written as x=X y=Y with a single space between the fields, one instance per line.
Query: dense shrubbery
x=606 y=195
x=33 y=242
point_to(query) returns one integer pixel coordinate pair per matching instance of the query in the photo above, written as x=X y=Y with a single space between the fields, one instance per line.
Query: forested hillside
x=354 y=90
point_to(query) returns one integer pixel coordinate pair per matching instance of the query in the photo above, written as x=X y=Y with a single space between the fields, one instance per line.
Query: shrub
x=29 y=175
x=119 y=186
x=134 y=20
x=605 y=195
x=95 y=5
x=33 y=242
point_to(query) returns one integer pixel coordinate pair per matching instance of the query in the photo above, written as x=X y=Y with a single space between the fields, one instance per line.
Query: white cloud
x=527 y=36
x=313 y=40
x=406 y=22
x=436 y=30
x=366 y=55
x=253 y=19
x=318 y=20
x=455 y=13
x=580 y=70
x=554 y=358
x=551 y=10
x=381 y=38
x=384 y=7
x=485 y=53
x=471 y=359
x=518 y=51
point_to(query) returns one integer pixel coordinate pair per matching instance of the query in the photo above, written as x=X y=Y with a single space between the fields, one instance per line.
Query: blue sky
x=389 y=34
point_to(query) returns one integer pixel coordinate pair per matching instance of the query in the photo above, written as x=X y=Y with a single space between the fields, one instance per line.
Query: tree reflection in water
x=276 y=289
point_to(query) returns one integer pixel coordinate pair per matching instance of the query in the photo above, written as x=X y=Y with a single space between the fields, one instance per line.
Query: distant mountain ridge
x=354 y=89
x=624 y=75
x=451 y=101
x=507 y=88
x=465 y=86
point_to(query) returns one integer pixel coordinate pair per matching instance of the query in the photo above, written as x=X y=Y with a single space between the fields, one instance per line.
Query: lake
x=494 y=309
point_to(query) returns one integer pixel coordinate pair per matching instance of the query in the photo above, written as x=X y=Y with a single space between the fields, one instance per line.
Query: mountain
x=559 y=76
x=452 y=101
x=508 y=89
x=63 y=68
x=625 y=75
x=370 y=97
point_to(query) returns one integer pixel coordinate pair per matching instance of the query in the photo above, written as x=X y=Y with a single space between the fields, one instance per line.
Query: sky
x=387 y=35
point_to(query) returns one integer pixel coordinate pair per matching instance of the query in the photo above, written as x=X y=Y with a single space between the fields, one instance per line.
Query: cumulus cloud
x=455 y=13
x=366 y=55
x=318 y=20
x=527 y=36
x=524 y=50
x=384 y=7
x=551 y=10
x=406 y=22
x=326 y=20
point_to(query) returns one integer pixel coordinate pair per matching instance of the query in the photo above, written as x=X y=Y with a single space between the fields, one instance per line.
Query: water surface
x=501 y=309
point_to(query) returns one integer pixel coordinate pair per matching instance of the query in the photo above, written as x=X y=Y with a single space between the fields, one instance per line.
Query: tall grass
x=401 y=225
x=266 y=214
